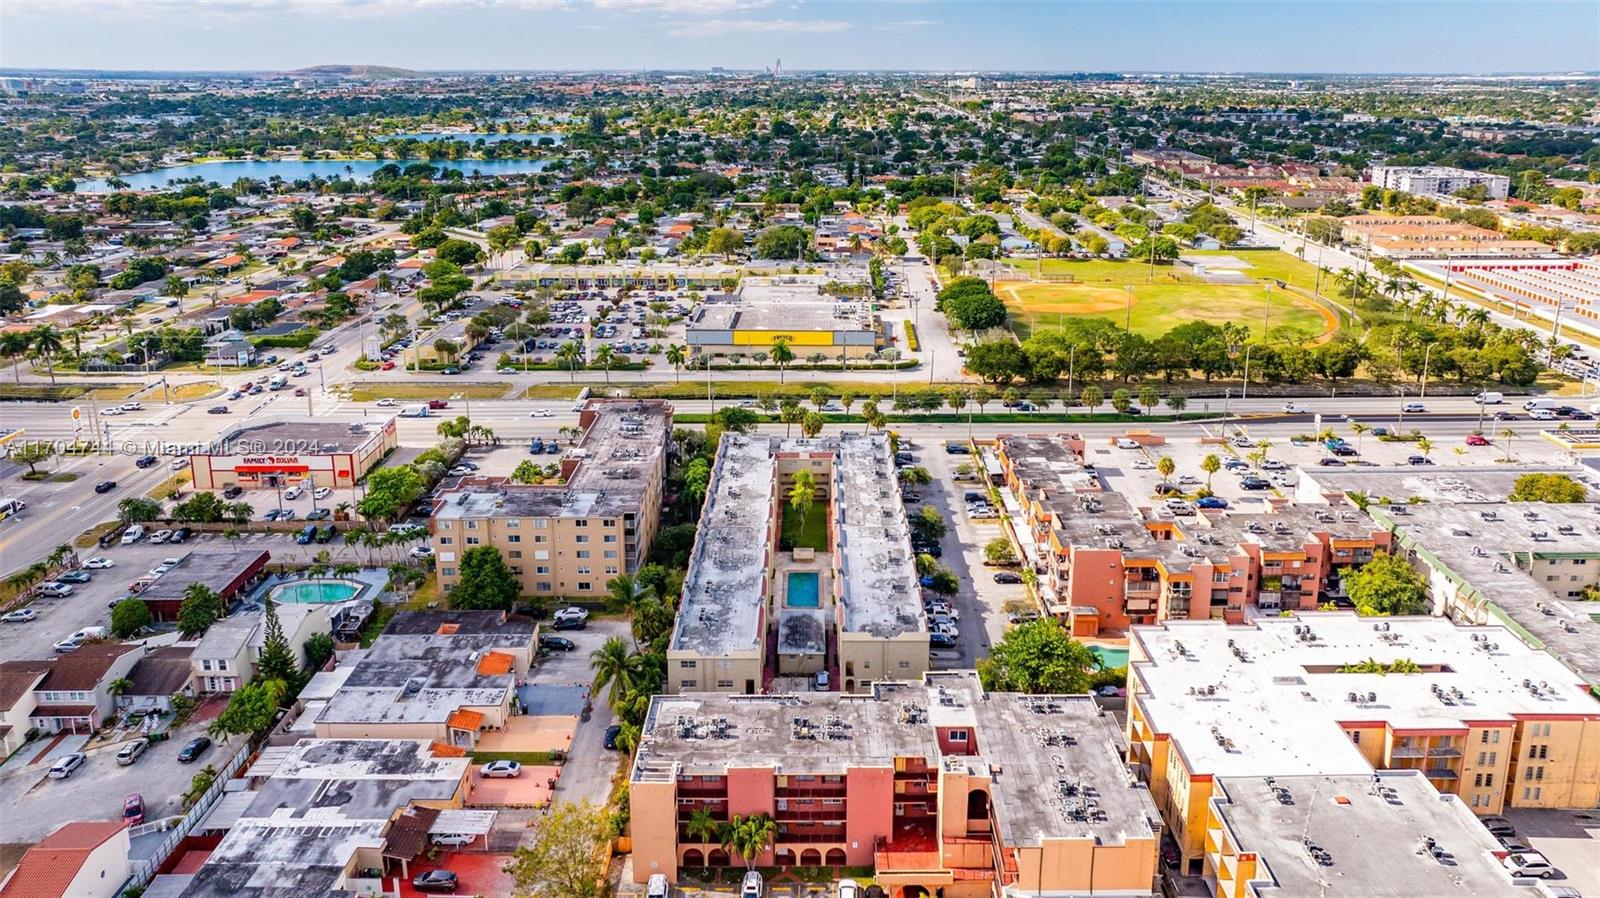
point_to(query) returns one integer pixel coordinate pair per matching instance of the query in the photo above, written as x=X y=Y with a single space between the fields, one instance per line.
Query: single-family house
x=83 y=859
x=76 y=693
x=225 y=659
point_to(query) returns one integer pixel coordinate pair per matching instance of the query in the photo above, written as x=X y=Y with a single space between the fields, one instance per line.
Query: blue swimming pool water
x=804 y=589
x=1110 y=656
x=315 y=592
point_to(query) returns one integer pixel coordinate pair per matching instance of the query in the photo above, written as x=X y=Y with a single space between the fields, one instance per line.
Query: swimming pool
x=804 y=589
x=1110 y=656
x=316 y=592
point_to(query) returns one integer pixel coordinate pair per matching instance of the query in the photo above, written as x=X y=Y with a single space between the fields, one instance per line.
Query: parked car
x=657 y=886
x=557 y=643
x=99 y=562
x=452 y=840
x=19 y=616
x=74 y=577
x=1498 y=826
x=1255 y=483
x=848 y=889
x=55 y=589
x=610 y=739
x=1530 y=863
x=193 y=749
x=1007 y=577
x=752 y=887
x=67 y=765
x=435 y=881
x=131 y=751
x=1477 y=439
x=232 y=491
x=133 y=809
x=105 y=486
x=1211 y=502
x=502 y=769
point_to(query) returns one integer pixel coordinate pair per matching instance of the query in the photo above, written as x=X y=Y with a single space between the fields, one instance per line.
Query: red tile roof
x=48 y=867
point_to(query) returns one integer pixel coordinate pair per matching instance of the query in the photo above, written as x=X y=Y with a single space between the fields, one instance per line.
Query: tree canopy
x=1387 y=585
x=1038 y=657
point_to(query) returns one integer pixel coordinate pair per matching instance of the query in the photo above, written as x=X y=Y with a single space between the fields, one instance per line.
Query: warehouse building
x=796 y=308
x=284 y=453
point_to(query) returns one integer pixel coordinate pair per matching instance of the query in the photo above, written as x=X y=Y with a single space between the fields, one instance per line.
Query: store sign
x=273 y=460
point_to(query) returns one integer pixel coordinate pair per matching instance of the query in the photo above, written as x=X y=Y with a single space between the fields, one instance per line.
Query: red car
x=438 y=403
x=386 y=366
x=1477 y=439
x=133 y=809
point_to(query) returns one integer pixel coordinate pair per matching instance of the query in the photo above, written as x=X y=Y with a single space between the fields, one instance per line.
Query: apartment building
x=1477 y=712
x=1110 y=564
x=1527 y=563
x=568 y=538
x=1437 y=180
x=440 y=676
x=756 y=615
x=1427 y=236
x=1340 y=836
x=939 y=786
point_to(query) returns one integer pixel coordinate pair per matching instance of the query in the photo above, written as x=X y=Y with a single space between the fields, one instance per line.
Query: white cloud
x=224 y=10
x=717 y=27
x=904 y=25
x=681 y=7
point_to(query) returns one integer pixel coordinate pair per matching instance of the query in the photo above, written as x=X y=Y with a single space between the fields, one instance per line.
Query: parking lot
x=586 y=775
x=35 y=804
x=1569 y=839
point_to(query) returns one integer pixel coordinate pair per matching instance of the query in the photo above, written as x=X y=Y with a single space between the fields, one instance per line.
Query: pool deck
x=820 y=564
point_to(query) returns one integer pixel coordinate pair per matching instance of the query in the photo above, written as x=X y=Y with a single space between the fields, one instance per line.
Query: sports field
x=1174 y=296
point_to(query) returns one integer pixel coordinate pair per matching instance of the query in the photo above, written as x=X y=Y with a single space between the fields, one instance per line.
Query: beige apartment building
x=572 y=537
x=759 y=615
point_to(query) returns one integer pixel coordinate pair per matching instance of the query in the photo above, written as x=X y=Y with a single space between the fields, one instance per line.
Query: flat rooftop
x=1268 y=695
x=1056 y=761
x=620 y=458
x=405 y=678
x=299 y=437
x=1372 y=830
x=725 y=587
x=1433 y=483
x=781 y=315
x=878 y=584
x=216 y=567
x=1488 y=548
x=283 y=858
x=358 y=779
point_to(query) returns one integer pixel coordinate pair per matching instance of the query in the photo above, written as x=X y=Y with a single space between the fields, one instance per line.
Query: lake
x=475 y=136
x=225 y=173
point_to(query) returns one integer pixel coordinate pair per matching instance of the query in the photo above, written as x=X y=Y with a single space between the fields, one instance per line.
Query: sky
x=1332 y=36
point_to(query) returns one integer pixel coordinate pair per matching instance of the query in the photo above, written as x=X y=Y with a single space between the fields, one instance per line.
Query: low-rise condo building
x=570 y=536
x=838 y=595
x=1477 y=712
x=941 y=787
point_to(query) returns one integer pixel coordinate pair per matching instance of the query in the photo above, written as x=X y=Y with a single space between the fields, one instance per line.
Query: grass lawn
x=58 y=392
x=808 y=530
x=1159 y=307
x=191 y=391
x=553 y=391
x=368 y=392
x=796 y=389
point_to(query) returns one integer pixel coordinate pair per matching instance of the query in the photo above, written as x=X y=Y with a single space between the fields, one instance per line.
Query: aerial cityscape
x=804 y=449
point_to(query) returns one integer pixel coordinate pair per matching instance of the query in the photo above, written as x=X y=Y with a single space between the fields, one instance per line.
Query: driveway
x=587 y=774
x=983 y=617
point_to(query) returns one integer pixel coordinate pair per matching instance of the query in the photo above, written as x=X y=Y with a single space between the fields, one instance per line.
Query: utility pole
x=1425 y=354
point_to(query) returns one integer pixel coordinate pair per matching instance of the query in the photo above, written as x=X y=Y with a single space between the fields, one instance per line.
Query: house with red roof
x=86 y=859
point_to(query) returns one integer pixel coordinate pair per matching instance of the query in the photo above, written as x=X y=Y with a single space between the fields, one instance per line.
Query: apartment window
x=611 y=569
x=1355 y=737
x=542 y=569
x=905 y=665
x=1544 y=752
x=472 y=525
x=581 y=522
x=541 y=523
x=1546 y=731
x=222 y=664
x=1538 y=774
x=1483 y=758
x=610 y=553
x=472 y=540
x=610 y=538
x=448 y=571
x=514 y=538
x=583 y=569
x=583 y=553
x=1531 y=793
x=688 y=665
x=447 y=540
x=541 y=538
x=581 y=538
x=1477 y=781
x=724 y=684
x=1494 y=758
x=205 y=664
x=515 y=553
x=958 y=735
x=544 y=587
x=608 y=522
x=687 y=684
x=513 y=523
x=585 y=586
x=517 y=571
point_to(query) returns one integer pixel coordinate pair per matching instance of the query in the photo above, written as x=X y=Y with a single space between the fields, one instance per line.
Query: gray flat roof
x=620 y=458
x=1372 y=829
x=1488 y=548
x=1434 y=483
x=406 y=678
x=216 y=567
x=1056 y=761
x=785 y=315
x=300 y=437
x=878 y=584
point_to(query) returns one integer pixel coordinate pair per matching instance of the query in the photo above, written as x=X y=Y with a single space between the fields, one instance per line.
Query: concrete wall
x=864 y=658
x=653 y=824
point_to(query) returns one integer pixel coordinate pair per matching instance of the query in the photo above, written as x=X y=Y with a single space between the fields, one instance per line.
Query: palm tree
x=14 y=344
x=1424 y=445
x=703 y=827
x=627 y=592
x=1165 y=466
x=781 y=355
x=119 y=686
x=605 y=355
x=749 y=837
x=1211 y=464
x=1357 y=428
x=676 y=355
x=47 y=343
x=570 y=352
x=804 y=493
x=1508 y=435
x=614 y=665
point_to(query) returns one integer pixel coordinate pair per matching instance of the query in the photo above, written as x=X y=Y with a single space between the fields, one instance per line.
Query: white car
x=131 y=406
x=1542 y=414
x=1189 y=479
x=657 y=887
x=1290 y=408
x=1125 y=443
x=66 y=645
x=19 y=616
x=99 y=562
x=1413 y=408
x=849 y=889
x=387 y=402
x=1530 y=863
x=321 y=492
x=56 y=589
x=572 y=612
x=420 y=552
x=293 y=492
x=752 y=887
x=540 y=413
x=113 y=411
x=160 y=536
x=68 y=765
x=1143 y=464
x=178 y=464
x=502 y=770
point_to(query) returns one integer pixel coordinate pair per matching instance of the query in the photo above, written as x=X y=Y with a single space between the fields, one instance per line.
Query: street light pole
x=1244 y=391
x=1425 y=354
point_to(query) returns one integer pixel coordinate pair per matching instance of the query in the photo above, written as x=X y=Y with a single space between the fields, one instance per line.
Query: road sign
x=77 y=413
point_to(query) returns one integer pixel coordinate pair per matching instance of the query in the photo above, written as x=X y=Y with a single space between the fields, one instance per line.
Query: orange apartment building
x=940 y=787
x=1483 y=716
x=1110 y=565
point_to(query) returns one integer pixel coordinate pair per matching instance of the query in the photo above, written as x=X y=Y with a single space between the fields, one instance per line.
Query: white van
x=133 y=534
x=278 y=382
x=1489 y=397
x=414 y=411
x=1532 y=404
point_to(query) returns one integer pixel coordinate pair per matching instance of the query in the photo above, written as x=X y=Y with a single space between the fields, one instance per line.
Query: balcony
x=833 y=814
x=1444 y=751
x=811 y=790
x=1408 y=751
x=697 y=789
x=915 y=787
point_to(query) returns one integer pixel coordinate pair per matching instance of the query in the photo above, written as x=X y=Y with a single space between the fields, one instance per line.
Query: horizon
x=1353 y=38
